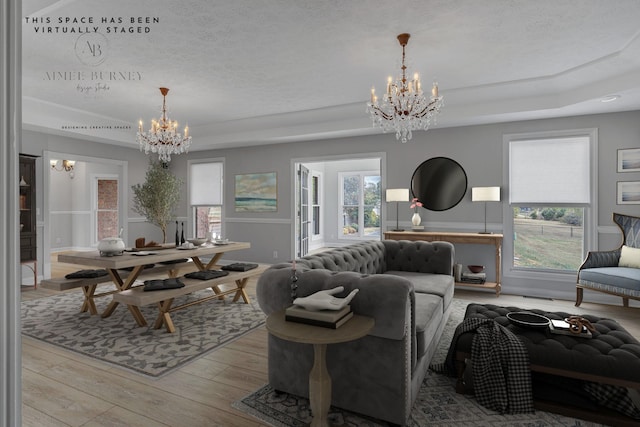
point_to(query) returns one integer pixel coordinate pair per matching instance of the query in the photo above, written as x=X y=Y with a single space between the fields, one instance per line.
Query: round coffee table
x=319 y=379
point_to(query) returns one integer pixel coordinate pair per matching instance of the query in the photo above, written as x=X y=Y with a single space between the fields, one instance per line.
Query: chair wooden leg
x=579 y=292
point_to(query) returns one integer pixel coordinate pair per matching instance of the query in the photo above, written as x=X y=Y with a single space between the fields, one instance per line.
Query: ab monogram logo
x=92 y=48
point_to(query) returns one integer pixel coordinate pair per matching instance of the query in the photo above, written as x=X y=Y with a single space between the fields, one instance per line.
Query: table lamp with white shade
x=397 y=195
x=485 y=194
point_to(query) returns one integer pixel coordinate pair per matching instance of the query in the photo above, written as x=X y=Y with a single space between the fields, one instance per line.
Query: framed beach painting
x=629 y=160
x=256 y=192
x=629 y=192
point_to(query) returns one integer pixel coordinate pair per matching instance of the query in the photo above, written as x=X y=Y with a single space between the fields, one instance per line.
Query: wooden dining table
x=138 y=259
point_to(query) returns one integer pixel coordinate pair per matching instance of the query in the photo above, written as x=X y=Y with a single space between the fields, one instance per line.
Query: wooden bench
x=90 y=284
x=137 y=297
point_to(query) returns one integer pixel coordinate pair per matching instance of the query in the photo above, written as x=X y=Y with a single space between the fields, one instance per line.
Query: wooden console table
x=466 y=238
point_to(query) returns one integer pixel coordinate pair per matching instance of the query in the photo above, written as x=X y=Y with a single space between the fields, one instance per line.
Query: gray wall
x=477 y=148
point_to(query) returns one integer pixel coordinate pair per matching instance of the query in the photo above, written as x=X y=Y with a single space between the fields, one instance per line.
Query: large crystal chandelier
x=404 y=107
x=163 y=137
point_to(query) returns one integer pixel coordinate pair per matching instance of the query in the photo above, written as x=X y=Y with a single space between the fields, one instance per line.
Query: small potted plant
x=415 y=204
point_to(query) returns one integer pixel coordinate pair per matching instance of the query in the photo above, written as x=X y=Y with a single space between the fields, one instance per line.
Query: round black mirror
x=439 y=183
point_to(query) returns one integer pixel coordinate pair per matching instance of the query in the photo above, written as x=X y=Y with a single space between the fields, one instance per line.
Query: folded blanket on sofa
x=86 y=274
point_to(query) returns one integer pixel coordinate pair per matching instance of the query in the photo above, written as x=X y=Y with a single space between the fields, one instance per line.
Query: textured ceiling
x=248 y=72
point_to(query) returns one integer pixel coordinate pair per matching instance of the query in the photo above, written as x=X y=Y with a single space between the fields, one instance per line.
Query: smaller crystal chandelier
x=163 y=137
x=404 y=107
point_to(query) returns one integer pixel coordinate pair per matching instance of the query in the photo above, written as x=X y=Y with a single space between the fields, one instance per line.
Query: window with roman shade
x=206 y=197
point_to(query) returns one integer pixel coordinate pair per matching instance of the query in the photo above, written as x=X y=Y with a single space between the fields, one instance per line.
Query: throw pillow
x=629 y=257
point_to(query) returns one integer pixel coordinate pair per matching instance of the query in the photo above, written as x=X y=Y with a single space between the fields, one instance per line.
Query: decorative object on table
x=182 y=240
x=177 y=235
x=157 y=197
x=415 y=219
x=527 y=319
x=256 y=192
x=111 y=246
x=197 y=241
x=404 y=106
x=629 y=160
x=239 y=266
x=563 y=327
x=23 y=183
x=186 y=245
x=628 y=193
x=163 y=137
x=476 y=268
x=325 y=300
x=397 y=195
x=440 y=183
x=331 y=319
x=471 y=277
x=485 y=194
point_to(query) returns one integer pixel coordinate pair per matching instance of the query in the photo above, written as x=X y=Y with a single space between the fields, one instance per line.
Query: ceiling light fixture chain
x=163 y=137
x=404 y=107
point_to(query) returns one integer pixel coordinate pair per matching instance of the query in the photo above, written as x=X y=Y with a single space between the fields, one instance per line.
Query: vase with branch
x=415 y=204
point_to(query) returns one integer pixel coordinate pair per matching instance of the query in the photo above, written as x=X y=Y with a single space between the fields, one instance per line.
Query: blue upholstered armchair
x=615 y=272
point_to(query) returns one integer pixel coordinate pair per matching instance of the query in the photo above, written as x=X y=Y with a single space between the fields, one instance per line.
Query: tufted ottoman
x=560 y=362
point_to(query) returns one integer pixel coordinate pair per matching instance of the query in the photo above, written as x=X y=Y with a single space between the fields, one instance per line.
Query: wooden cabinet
x=27 y=204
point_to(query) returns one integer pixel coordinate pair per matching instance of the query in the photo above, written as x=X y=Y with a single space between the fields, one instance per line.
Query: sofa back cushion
x=364 y=257
x=419 y=256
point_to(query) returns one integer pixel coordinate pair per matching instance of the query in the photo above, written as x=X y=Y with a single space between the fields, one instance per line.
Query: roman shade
x=205 y=184
x=551 y=171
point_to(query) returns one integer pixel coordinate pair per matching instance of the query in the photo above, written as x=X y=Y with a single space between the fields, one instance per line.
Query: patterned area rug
x=437 y=403
x=118 y=340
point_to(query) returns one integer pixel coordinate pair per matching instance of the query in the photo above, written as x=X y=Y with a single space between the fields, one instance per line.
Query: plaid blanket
x=500 y=363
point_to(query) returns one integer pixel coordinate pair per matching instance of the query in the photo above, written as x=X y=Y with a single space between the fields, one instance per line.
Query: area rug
x=118 y=340
x=437 y=403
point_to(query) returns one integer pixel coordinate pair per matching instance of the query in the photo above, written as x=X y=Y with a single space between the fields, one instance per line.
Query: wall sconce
x=485 y=194
x=397 y=195
x=67 y=165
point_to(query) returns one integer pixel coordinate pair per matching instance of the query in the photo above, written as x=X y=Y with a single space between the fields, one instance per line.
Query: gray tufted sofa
x=407 y=287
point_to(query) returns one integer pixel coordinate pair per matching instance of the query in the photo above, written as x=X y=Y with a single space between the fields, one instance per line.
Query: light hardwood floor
x=62 y=388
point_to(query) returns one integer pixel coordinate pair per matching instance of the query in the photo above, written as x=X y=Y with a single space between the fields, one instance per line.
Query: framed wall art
x=628 y=193
x=629 y=160
x=256 y=192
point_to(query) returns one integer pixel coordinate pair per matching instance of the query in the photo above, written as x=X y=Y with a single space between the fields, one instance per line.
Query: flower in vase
x=415 y=204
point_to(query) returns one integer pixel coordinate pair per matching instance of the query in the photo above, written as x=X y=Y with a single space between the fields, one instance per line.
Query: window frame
x=590 y=220
x=361 y=206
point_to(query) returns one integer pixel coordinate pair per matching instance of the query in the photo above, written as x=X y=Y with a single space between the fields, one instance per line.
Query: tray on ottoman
x=610 y=356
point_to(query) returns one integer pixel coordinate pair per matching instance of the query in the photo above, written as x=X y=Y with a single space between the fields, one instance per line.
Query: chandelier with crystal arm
x=404 y=107
x=163 y=137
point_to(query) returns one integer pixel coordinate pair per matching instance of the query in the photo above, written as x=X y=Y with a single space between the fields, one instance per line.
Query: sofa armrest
x=596 y=259
x=386 y=298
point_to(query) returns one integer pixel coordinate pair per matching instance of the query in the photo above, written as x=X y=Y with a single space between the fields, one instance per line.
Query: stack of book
x=469 y=277
x=561 y=327
x=326 y=318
